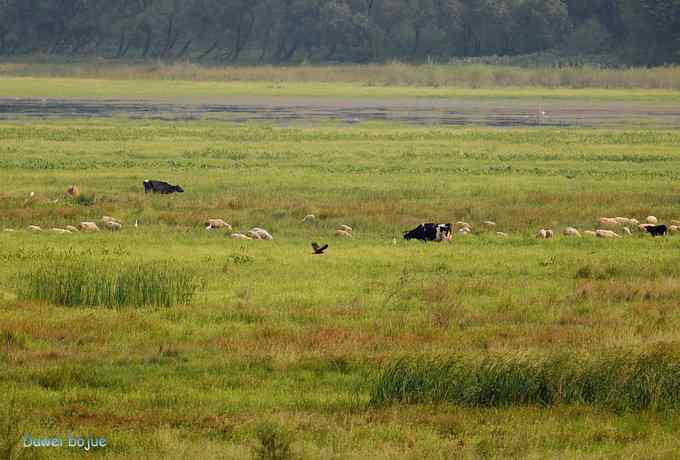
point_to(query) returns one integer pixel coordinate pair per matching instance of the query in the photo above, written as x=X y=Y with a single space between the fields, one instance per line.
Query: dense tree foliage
x=642 y=31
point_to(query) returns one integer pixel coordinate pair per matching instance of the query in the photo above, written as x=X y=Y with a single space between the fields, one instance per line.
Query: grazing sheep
x=71 y=228
x=73 y=191
x=608 y=222
x=88 y=227
x=216 y=223
x=309 y=219
x=106 y=219
x=112 y=225
x=253 y=235
x=489 y=223
x=34 y=228
x=262 y=233
x=607 y=234
x=60 y=230
x=675 y=222
x=240 y=236
x=549 y=233
x=343 y=234
x=9 y=230
x=462 y=224
x=346 y=228
x=674 y=229
x=626 y=221
x=590 y=233
x=571 y=231
x=502 y=234
x=652 y=220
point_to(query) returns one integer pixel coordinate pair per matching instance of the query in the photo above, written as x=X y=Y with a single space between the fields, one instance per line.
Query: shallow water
x=422 y=111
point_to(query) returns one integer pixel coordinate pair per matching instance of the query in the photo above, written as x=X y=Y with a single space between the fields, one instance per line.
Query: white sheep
x=240 y=236
x=309 y=219
x=112 y=225
x=601 y=233
x=571 y=231
x=216 y=223
x=110 y=219
x=261 y=233
x=652 y=220
x=345 y=228
x=88 y=227
x=343 y=234
x=34 y=228
x=608 y=222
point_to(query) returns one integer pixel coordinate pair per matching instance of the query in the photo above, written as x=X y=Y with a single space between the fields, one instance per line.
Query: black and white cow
x=157 y=186
x=430 y=232
x=656 y=230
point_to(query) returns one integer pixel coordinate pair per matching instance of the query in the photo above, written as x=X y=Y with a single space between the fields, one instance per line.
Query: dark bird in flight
x=319 y=249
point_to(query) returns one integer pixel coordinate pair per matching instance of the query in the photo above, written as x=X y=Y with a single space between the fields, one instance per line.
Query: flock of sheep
x=624 y=226
x=107 y=222
x=257 y=233
x=608 y=227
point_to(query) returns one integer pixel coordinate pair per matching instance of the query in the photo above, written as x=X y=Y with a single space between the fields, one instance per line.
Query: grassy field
x=487 y=347
x=389 y=74
x=155 y=79
x=183 y=89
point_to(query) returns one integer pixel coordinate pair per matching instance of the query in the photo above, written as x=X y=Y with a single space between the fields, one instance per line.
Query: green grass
x=284 y=349
x=77 y=281
x=461 y=74
x=624 y=381
x=205 y=90
x=113 y=79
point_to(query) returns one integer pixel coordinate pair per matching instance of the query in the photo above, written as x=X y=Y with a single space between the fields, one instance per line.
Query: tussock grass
x=621 y=381
x=83 y=282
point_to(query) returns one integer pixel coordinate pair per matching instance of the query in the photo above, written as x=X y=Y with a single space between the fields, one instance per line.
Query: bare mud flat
x=421 y=111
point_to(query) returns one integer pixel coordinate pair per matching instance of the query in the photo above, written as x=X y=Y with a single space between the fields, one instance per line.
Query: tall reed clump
x=620 y=381
x=84 y=282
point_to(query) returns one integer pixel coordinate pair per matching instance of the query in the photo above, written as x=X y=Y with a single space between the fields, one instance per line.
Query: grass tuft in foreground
x=91 y=283
x=620 y=381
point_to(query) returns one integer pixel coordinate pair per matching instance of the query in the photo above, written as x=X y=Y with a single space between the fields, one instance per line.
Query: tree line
x=282 y=31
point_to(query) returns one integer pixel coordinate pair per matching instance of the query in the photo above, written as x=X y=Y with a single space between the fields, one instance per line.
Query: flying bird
x=319 y=249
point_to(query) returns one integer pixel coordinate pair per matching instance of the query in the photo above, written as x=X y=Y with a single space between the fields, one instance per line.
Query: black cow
x=656 y=230
x=430 y=232
x=157 y=186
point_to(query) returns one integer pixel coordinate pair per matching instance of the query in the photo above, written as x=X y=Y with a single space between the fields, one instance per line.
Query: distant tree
x=539 y=25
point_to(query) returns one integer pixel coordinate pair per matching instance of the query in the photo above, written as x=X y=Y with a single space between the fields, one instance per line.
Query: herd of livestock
x=608 y=227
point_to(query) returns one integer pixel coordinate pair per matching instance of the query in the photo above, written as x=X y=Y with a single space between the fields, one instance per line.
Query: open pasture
x=278 y=347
